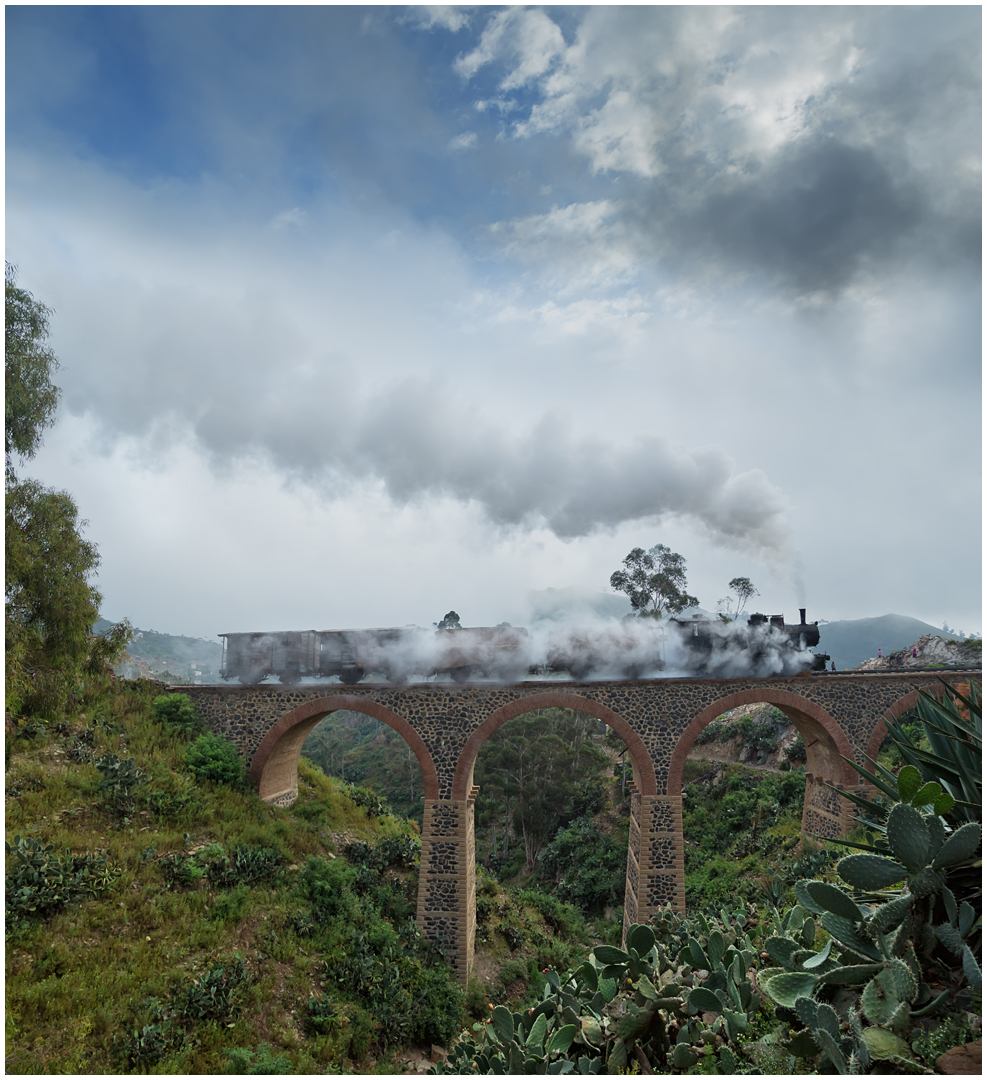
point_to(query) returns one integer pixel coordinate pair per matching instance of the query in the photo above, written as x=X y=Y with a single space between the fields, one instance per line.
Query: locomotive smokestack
x=802 y=615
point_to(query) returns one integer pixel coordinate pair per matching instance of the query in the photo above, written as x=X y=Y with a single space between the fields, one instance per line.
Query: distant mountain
x=852 y=641
x=189 y=658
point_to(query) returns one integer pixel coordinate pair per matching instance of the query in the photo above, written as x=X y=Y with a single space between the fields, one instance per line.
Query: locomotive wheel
x=289 y=678
x=396 y=678
x=352 y=675
x=251 y=678
x=460 y=674
x=579 y=671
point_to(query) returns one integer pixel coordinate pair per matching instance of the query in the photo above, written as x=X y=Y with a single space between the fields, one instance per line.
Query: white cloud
x=524 y=38
x=466 y=141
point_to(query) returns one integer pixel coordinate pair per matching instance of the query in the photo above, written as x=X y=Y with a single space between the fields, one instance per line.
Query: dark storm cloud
x=810 y=220
x=801 y=148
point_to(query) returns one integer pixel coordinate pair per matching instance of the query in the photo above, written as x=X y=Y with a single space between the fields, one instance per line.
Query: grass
x=81 y=985
x=75 y=982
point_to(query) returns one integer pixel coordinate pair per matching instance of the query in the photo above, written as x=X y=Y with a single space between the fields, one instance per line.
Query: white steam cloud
x=417 y=443
x=597 y=649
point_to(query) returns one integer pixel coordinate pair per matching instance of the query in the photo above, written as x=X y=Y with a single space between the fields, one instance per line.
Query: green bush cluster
x=119 y=783
x=244 y=865
x=362 y=920
x=177 y=712
x=217 y=996
x=40 y=882
x=216 y=759
x=589 y=866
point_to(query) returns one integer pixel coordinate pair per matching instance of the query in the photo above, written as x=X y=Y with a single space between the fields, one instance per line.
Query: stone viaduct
x=838 y=715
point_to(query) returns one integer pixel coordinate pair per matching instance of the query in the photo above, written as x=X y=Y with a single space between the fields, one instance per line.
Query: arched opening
x=361 y=750
x=274 y=766
x=643 y=769
x=755 y=770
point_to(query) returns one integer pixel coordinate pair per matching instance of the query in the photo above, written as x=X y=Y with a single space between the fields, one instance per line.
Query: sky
x=366 y=313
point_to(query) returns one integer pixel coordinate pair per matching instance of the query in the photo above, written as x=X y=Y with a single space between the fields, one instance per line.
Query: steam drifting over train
x=631 y=649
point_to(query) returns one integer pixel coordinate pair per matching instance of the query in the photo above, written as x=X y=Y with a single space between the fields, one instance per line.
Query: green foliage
x=214 y=758
x=654 y=581
x=119 y=783
x=50 y=604
x=30 y=397
x=217 y=996
x=177 y=712
x=643 y=1004
x=372 y=756
x=589 y=866
x=40 y=882
x=260 y=1062
x=533 y=772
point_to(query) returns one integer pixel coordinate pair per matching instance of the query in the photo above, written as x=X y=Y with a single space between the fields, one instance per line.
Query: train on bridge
x=632 y=649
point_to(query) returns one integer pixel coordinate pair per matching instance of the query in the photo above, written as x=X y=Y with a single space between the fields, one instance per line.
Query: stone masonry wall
x=843 y=710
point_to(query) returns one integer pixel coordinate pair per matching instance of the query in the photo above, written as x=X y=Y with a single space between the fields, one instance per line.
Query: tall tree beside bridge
x=654 y=582
x=50 y=604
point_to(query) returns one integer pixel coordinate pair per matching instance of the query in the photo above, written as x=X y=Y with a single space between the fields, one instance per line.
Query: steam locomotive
x=626 y=650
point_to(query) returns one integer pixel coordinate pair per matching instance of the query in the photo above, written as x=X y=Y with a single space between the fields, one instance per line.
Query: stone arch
x=274 y=766
x=641 y=764
x=902 y=705
x=824 y=812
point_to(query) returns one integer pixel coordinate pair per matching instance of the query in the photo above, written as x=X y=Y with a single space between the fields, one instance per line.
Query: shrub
x=41 y=882
x=177 y=712
x=245 y=866
x=214 y=758
x=120 y=781
x=262 y=1061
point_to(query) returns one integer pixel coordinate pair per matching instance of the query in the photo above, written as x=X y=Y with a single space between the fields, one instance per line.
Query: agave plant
x=952 y=726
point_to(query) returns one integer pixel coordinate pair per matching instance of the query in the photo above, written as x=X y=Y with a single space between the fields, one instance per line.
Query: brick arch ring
x=902 y=705
x=785 y=700
x=277 y=756
x=643 y=768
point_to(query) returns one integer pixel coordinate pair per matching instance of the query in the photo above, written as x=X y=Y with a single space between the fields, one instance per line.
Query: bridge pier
x=655 y=857
x=447 y=881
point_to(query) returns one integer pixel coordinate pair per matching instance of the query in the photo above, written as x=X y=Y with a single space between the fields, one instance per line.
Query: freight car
x=396 y=652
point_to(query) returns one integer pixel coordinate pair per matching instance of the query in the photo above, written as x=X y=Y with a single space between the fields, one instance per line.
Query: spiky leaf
x=561 y=1040
x=704 y=1000
x=812 y=962
x=834 y=900
x=971 y=969
x=879 y=1000
x=951 y=938
x=788 y=987
x=926 y=794
x=831 y=1048
x=909 y=782
x=891 y=914
x=804 y=897
x=959 y=847
x=536 y=1037
x=883 y=1045
x=781 y=949
x=641 y=938
x=943 y=804
x=850 y=974
x=908 y=836
x=502 y=1024
x=607 y=954
x=846 y=934
x=716 y=947
x=870 y=872
x=967 y=918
